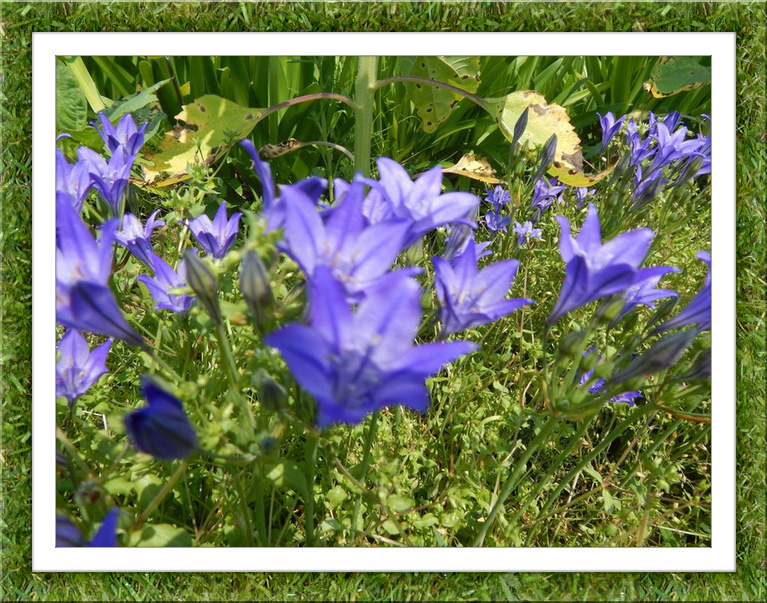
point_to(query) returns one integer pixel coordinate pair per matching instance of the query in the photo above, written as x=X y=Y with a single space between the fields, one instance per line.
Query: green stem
x=363 y=126
x=164 y=491
x=369 y=437
x=307 y=98
x=258 y=484
x=634 y=417
x=312 y=443
x=479 y=101
x=519 y=467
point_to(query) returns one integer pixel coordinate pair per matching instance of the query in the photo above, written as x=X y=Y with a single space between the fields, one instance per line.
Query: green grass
x=17 y=581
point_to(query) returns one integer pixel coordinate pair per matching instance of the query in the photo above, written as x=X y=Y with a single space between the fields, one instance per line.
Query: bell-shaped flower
x=78 y=368
x=420 y=201
x=356 y=363
x=545 y=192
x=471 y=297
x=593 y=270
x=84 y=300
x=74 y=180
x=164 y=282
x=135 y=237
x=109 y=178
x=215 y=237
x=610 y=127
x=124 y=136
x=496 y=222
x=671 y=147
x=498 y=197
x=161 y=428
x=358 y=254
x=644 y=293
x=698 y=310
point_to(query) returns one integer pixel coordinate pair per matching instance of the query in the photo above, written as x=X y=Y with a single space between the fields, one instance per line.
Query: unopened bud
x=204 y=284
x=571 y=343
x=665 y=353
x=609 y=311
x=255 y=286
x=519 y=127
x=272 y=395
x=662 y=311
x=602 y=371
x=546 y=156
x=589 y=361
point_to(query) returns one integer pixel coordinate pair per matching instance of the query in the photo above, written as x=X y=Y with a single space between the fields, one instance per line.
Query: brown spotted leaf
x=205 y=125
x=474 y=167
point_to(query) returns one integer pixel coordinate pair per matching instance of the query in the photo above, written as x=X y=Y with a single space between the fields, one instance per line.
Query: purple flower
x=671 y=147
x=162 y=428
x=420 y=201
x=165 y=280
x=109 y=179
x=599 y=385
x=125 y=136
x=75 y=180
x=495 y=222
x=640 y=148
x=68 y=535
x=459 y=235
x=498 y=197
x=78 y=368
x=646 y=189
x=545 y=193
x=644 y=293
x=472 y=297
x=610 y=128
x=215 y=237
x=582 y=193
x=593 y=270
x=698 y=310
x=136 y=237
x=356 y=363
x=525 y=232
x=356 y=253
x=84 y=301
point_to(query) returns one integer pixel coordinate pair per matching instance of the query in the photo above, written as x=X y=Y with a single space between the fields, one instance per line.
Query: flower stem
x=369 y=437
x=363 y=123
x=164 y=491
x=519 y=467
x=480 y=102
x=312 y=442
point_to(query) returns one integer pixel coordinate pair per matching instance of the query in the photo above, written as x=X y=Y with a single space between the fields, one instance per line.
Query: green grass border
x=19 y=20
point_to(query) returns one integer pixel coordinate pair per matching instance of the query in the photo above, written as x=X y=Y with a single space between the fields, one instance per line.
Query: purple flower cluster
x=498 y=198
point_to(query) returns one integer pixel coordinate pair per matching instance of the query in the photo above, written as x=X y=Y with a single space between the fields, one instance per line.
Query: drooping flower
x=125 y=136
x=69 y=535
x=166 y=280
x=420 y=201
x=135 y=237
x=358 y=254
x=610 y=127
x=698 y=311
x=162 y=428
x=525 y=232
x=78 y=367
x=109 y=178
x=84 y=301
x=356 y=363
x=593 y=269
x=215 y=237
x=472 y=297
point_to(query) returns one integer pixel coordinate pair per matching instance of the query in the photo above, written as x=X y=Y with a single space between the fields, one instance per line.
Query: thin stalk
x=477 y=100
x=164 y=491
x=312 y=443
x=258 y=485
x=363 y=125
x=519 y=467
x=634 y=417
x=369 y=437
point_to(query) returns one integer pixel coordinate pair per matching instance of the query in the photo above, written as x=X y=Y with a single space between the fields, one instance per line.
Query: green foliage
x=490 y=390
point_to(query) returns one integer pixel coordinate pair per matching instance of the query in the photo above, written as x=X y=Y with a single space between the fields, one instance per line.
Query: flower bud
x=602 y=371
x=609 y=310
x=662 y=311
x=204 y=284
x=519 y=127
x=272 y=395
x=589 y=361
x=571 y=343
x=255 y=286
x=663 y=354
x=546 y=156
